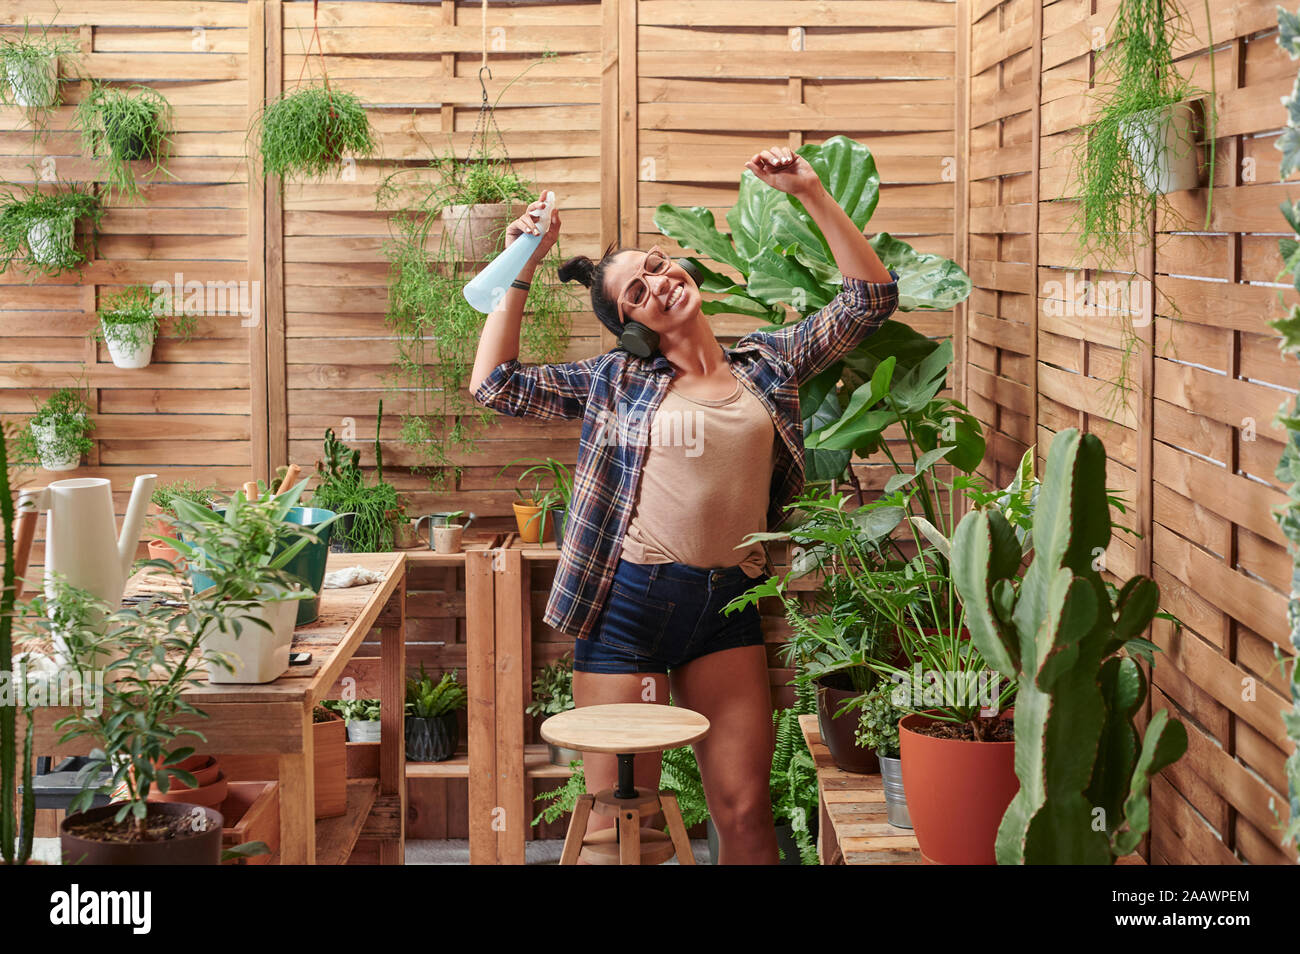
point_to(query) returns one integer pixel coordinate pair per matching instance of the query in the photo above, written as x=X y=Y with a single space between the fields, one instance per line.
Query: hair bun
x=579 y=267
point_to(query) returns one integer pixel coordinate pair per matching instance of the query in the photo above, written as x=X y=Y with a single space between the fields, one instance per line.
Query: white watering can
x=81 y=540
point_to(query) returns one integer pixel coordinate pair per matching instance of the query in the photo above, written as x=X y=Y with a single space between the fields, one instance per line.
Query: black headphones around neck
x=642 y=340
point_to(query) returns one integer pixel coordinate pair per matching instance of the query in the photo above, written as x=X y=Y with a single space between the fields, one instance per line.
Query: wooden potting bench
x=853 y=828
x=275 y=719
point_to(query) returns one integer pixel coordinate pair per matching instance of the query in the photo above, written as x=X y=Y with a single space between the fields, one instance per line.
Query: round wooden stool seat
x=625 y=728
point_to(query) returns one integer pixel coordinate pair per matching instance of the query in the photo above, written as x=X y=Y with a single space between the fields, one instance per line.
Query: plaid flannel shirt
x=616 y=395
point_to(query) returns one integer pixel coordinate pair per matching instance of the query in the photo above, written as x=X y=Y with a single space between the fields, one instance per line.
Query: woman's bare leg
x=730 y=689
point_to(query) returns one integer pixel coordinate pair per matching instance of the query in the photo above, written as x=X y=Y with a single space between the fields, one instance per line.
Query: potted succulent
x=38 y=229
x=1072 y=643
x=878 y=732
x=56 y=434
x=306 y=132
x=135 y=732
x=432 y=730
x=553 y=694
x=164 y=514
x=361 y=717
x=31 y=67
x=541 y=505
x=368 y=512
x=239 y=557
x=123 y=125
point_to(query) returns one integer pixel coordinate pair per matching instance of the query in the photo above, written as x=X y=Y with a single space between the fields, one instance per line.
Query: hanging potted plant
x=553 y=694
x=241 y=554
x=878 y=732
x=121 y=126
x=487 y=195
x=128 y=324
x=306 y=132
x=38 y=229
x=55 y=437
x=31 y=67
x=432 y=729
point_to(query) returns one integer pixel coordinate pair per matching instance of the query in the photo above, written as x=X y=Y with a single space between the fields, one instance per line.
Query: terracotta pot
x=165 y=551
x=209 y=796
x=957 y=793
x=530 y=524
x=252 y=813
x=840 y=734
x=204 y=768
x=476 y=232
x=447 y=539
x=201 y=847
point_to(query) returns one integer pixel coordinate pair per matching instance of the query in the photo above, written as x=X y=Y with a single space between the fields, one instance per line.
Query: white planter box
x=127 y=354
x=258 y=656
x=46 y=237
x=363 y=731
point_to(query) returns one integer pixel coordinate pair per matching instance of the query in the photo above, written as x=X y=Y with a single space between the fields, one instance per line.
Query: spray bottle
x=486 y=289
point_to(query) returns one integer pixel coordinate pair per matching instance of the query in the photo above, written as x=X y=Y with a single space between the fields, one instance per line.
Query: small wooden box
x=251 y=812
x=330 y=747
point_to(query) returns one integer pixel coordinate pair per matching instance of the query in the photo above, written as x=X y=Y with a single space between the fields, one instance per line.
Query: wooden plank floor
x=854 y=829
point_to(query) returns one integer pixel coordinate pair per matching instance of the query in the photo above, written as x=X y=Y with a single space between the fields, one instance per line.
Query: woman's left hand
x=785 y=171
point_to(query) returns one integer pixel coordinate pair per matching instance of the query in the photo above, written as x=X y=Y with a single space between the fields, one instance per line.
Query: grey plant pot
x=363 y=731
x=562 y=756
x=891 y=773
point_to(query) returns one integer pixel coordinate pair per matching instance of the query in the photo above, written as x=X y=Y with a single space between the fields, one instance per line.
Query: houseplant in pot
x=432 y=730
x=128 y=324
x=368 y=512
x=121 y=126
x=447 y=536
x=551 y=490
x=361 y=717
x=38 y=229
x=553 y=694
x=878 y=731
x=239 y=556
x=305 y=133
x=30 y=64
x=55 y=437
x=1072 y=644
x=163 y=514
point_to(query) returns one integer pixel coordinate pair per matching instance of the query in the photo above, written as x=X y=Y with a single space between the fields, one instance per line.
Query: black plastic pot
x=839 y=734
x=784 y=841
x=344 y=527
x=202 y=847
x=125 y=145
x=433 y=739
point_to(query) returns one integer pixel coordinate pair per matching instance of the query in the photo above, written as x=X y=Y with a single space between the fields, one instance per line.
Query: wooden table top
x=346 y=616
x=625 y=727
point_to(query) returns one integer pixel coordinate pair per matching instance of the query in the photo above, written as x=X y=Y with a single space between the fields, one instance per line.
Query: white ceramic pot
x=46 y=237
x=34 y=86
x=364 y=731
x=447 y=539
x=257 y=655
x=50 y=460
x=128 y=354
x=1162 y=142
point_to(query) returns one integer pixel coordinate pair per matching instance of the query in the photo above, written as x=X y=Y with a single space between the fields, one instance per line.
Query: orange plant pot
x=164 y=551
x=957 y=793
x=530 y=524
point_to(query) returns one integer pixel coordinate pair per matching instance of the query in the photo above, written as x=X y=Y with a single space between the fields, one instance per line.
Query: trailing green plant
x=783 y=260
x=553 y=688
x=53 y=216
x=121 y=126
x=65 y=419
x=29 y=71
x=12 y=771
x=878 y=722
x=436 y=329
x=341 y=487
x=127 y=319
x=354 y=710
x=1136 y=81
x=562 y=800
x=1084 y=771
x=305 y=132
x=164 y=494
x=1288 y=467
x=427 y=699
x=793 y=782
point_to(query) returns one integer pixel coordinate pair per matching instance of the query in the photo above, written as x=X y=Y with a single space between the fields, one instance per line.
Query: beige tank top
x=705 y=484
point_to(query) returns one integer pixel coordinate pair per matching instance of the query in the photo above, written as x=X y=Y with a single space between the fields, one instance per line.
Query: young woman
x=683 y=454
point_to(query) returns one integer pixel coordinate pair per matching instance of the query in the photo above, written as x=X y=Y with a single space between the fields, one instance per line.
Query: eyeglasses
x=636 y=292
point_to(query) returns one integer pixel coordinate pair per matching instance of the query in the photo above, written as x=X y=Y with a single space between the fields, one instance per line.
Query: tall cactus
x=1084 y=779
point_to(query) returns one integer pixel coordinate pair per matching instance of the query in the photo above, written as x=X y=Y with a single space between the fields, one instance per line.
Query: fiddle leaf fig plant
x=784 y=260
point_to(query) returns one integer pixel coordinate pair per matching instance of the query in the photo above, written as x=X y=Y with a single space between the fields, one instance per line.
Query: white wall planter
x=51 y=458
x=1162 y=143
x=126 y=353
x=34 y=85
x=47 y=238
x=258 y=656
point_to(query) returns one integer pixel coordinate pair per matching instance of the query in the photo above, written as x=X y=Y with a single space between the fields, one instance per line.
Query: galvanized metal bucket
x=891 y=773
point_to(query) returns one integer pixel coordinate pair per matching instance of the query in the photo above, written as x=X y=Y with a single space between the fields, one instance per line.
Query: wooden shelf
x=455 y=767
x=537 y=763
x=336 y=837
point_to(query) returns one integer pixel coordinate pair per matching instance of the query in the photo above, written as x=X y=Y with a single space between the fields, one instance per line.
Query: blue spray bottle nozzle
x=486 y=289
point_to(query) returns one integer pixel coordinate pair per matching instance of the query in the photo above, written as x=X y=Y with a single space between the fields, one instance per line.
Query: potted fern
x=38 y=229
x=306 y=132
x=553 y=694
x=121 y=126
x=56 y=434
x=432 y=729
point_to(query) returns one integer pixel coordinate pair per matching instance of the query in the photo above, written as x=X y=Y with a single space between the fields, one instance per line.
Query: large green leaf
x=776 y=278
x=695 y=228
x=848 y=171
x=753 y=219
x=925 y=281
x=820 y=406
x=859 y=426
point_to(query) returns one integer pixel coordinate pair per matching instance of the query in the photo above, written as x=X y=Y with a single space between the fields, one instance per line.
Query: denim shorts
x=661 y=615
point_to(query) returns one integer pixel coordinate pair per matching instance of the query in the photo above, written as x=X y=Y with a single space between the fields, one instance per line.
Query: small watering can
x=81 y=540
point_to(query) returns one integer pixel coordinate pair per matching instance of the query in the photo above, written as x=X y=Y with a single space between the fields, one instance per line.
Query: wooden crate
x=251 y=812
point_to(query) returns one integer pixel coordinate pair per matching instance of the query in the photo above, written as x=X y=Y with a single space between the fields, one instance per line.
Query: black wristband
x=521 y=284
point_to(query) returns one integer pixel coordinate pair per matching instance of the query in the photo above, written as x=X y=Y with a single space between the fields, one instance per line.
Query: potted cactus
x=1071 y=643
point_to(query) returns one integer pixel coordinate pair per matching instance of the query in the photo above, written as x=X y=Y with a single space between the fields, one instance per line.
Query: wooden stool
x=625 y=729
